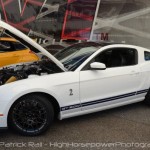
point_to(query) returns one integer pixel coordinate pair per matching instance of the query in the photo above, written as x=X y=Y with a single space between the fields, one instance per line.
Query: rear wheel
x=147 y=98
x=31 y=115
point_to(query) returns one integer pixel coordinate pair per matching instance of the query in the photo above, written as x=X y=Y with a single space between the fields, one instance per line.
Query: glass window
x=72 y=57
x=10 y=46
x=116 y=57
x=5 y=46
x=19 y=46
x=147 y=56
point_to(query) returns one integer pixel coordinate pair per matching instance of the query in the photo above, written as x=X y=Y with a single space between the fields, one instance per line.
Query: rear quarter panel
x=144 y=68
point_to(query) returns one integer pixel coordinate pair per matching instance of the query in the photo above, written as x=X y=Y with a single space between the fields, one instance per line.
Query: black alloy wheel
x=31 y=115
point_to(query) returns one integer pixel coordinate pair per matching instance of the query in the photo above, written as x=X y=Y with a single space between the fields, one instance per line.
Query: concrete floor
x=120 y=125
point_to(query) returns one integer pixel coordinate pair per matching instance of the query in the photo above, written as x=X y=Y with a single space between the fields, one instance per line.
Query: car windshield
x=72 y=57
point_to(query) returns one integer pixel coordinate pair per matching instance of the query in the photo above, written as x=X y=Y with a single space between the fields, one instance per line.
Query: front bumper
x=3 y=122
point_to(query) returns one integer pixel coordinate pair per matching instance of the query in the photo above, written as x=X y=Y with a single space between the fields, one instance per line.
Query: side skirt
x=97 y=109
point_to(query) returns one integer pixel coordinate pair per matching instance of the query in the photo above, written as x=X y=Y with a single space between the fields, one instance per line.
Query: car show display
x=62 y=22
x=80 y=79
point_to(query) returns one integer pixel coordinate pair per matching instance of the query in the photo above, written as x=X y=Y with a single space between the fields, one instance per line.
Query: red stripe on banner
x=7 y=2
x=83 y=16
x=24 y=6
x=35 y=2
x=27 y=21
x=75 y=33
x=19 y=27
x=83 y=32
x=4 y=11
x=71 y=1
x=64 y=25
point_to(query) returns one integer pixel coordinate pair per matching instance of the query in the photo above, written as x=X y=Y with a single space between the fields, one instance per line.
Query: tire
x=31 y=115
x=147 y=98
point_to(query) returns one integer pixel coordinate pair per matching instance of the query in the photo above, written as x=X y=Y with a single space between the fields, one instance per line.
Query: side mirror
x=98 y=66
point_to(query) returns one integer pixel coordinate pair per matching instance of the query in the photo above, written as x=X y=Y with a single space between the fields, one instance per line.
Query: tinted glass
x=147 y=56
x=19 y=46
x=5 y=46
x=73 y=56
x=118 y=57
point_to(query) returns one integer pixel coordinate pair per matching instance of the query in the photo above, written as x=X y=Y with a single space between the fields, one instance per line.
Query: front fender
x=56 y=85
x=9 y=94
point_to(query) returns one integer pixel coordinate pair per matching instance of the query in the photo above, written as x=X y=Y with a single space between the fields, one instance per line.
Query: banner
x=64 y=22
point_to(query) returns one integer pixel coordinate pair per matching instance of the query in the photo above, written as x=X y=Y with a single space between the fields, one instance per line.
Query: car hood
x=24 y=39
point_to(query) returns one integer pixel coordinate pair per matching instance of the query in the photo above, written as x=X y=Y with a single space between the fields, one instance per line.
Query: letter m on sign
x=104 y=36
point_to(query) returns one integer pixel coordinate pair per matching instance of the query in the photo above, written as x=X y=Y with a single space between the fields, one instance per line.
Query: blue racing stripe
x=108 y=99
x=103 y=100
x=141 y=92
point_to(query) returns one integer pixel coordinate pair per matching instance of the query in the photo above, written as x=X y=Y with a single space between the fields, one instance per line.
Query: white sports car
x=81 y=79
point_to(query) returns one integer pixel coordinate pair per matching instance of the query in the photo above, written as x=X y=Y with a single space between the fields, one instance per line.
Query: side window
x=147 y=56
x=19 y=46
x=5 y=46
x=105 y=58
x=116 y=57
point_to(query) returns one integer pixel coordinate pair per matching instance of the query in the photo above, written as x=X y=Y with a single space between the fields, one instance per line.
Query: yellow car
x=12 y=52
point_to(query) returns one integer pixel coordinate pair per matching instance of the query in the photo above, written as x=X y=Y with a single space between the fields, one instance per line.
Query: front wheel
x=31 y=115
